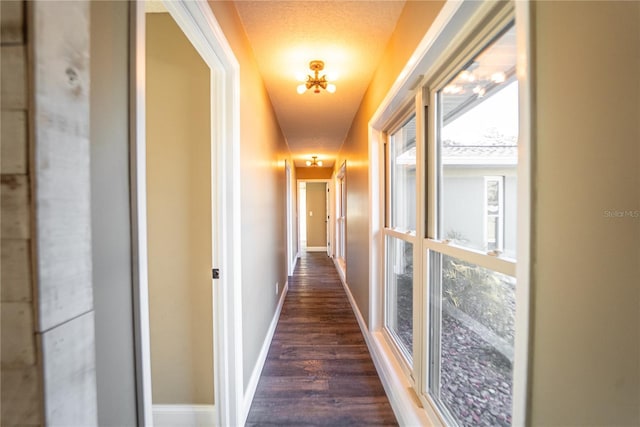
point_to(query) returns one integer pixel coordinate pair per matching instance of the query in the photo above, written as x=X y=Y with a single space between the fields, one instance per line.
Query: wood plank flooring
x=318 y=370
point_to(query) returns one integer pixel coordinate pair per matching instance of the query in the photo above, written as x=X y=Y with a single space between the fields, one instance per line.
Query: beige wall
x=413 y=23
x=263 y=151
x=316 y=214
x=585 y=355
x=179 y=216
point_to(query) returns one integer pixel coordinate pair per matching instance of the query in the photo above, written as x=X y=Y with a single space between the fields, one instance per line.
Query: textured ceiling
x=349 y=36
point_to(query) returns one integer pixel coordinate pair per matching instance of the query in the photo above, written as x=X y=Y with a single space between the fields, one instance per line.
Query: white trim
x=137 y=169
x=201 y=28
x=316 y=249
x=290 y=212
x=503 y=265
x=302 y=243
x=184 y=415
x=337 y=262
x=526 y=125
x=262 y=357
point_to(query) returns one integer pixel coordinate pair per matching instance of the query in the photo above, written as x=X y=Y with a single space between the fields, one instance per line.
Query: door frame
x=291 y=250
x=328 y=186
x=201 y=28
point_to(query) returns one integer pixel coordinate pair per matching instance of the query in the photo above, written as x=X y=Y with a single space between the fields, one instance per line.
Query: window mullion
x=501 y=265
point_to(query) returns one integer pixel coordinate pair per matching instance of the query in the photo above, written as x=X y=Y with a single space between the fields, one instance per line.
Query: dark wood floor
x=318 y=370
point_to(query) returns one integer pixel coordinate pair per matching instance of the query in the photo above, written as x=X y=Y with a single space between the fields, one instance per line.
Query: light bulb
x=331 y=88
x=302 y=89
x=308 y=162
x=466 y=75
x=319 y=163
x=498 y=77
x=332 y=76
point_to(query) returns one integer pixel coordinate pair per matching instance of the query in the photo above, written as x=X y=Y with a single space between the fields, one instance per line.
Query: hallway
x=318 y=370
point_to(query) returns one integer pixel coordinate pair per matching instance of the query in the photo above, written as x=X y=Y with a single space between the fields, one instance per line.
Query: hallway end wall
x=414 y=21
x=263 y=151
x=314 y=173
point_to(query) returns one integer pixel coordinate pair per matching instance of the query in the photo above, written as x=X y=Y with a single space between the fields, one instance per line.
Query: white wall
x=585 y=354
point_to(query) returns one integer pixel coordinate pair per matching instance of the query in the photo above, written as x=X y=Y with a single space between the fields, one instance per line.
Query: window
x=400 y=236
x=494 y=213
x=402 y=177
x=471 y=287
x=444 y=240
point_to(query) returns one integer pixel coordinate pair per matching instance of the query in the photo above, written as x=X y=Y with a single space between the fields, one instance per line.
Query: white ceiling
x=349 y=36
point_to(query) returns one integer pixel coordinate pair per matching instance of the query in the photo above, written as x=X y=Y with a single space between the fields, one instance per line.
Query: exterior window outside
x=472 y=306
x=494 y=213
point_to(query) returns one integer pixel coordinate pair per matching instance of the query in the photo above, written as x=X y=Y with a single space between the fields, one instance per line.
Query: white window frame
x=434 y=241
x=441 y=46
x=389 y=314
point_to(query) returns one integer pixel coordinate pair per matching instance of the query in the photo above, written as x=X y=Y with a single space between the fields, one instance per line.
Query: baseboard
x=316 y=249
x=407 y=409
x=262 y=357
x=341 y=272
x=183 y=415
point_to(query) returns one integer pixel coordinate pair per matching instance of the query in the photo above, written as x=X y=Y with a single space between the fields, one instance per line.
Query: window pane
x=475 y=310
x=399 y=293
x=478 y=139
x=402 y=173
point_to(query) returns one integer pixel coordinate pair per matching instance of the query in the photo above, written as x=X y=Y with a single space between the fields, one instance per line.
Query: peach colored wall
x=314 y=173
x=413 y=23
x=263 y=151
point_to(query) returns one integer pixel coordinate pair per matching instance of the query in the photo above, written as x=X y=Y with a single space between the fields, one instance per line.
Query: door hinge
x=215 y=273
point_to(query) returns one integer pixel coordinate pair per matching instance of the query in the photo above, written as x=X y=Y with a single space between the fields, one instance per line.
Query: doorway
x=200 y=27
x=313 y=214
x=179 y=222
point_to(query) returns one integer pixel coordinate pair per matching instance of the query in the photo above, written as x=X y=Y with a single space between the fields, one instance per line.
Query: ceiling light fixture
x=316 y=81
x=314 y=162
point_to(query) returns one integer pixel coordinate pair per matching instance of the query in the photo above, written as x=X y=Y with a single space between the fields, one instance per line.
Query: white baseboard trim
x=316 y=249
x=341 y=271
x=183 y=415
x=262 y=357
x=406 y=406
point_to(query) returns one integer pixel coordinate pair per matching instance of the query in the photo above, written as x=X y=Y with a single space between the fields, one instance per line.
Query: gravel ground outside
x=476 y=379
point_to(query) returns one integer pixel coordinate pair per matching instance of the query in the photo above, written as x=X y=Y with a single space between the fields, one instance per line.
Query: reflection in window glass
x=476 y=311
x=399 y=293
x=402 y=170
x=478 y=138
